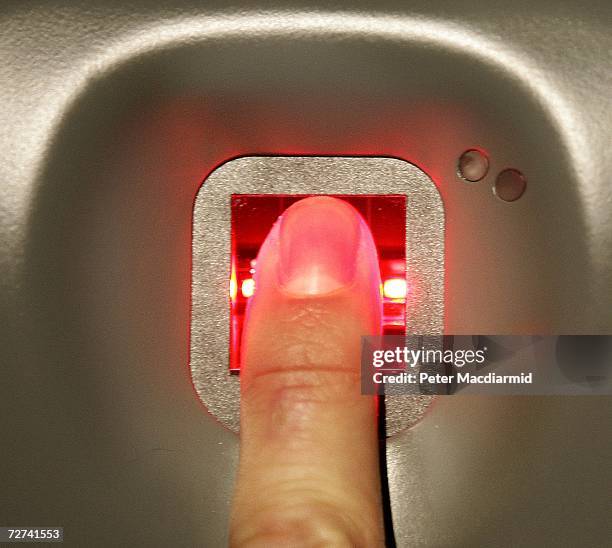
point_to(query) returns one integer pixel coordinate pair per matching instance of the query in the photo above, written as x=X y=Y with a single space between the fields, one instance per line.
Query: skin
x=308 y=473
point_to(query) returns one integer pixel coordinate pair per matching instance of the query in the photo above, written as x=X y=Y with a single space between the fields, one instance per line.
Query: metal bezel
x=211 y=247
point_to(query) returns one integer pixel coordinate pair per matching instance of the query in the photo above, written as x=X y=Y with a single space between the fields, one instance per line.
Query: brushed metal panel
x=111 y=116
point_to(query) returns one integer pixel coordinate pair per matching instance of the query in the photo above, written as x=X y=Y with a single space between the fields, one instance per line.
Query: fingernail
x=319 y=240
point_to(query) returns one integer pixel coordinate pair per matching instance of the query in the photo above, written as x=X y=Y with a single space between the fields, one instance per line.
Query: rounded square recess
x=211 y=252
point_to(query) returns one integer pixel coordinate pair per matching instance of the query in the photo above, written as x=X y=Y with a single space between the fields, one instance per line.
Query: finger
x=308 y=473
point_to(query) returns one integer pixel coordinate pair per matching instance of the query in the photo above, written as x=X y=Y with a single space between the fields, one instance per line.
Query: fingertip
x=319 y=239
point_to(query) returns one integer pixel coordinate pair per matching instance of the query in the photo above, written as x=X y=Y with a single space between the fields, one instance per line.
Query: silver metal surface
x=111 y=116
x=209 y=356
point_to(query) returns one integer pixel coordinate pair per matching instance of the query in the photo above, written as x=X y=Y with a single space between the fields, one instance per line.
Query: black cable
x=384 y=481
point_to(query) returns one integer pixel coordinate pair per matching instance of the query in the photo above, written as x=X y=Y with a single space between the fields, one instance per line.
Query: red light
x=395 y=288
x=248 y=287
x=233 y=285
x=252 y=219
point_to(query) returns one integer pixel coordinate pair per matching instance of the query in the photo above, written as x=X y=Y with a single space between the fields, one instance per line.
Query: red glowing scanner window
x=252 y=218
